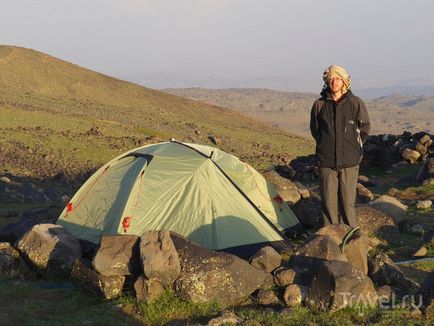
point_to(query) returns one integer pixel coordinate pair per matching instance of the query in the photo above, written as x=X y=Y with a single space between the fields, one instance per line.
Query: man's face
x=335 y=84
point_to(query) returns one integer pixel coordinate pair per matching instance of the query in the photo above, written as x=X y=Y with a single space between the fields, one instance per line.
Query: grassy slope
x=47 y=106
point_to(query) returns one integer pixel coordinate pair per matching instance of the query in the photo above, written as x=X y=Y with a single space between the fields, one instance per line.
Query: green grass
x=427 y=189
x=151 y=132
x=26 y=303
x=43 y=303
x=357 y=315
x=169 y=307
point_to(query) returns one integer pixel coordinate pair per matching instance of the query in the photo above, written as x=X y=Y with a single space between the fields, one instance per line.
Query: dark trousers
x=338 y=195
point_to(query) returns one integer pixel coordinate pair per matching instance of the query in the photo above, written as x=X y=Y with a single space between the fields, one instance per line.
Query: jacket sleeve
x=314 y=125
x=363 y=121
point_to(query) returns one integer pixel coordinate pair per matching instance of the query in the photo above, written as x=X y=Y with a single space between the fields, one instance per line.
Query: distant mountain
x=53 y=111
x=373 y=93
x=291 y=111
x=290 y=84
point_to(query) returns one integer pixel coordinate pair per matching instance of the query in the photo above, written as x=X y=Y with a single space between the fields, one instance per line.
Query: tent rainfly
x=198 y=191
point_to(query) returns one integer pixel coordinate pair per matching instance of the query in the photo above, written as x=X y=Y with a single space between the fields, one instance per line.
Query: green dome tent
x=198 y=191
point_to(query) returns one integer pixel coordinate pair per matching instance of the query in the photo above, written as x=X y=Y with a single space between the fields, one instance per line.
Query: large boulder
x=336 y=232
x=50 y=250
x=383 y=271
x=310 y=256
x=108 y=287
x=338 y=284
x=308 y=212
x=356 y=247
x=356 y=251
x=267 y=259
x=117 y=255
x=9 y=261
x=207 y=275
x=159 y=257
x=374 y=222
x=390 y=206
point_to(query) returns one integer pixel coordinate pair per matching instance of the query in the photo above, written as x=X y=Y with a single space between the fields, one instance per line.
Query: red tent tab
x=126 y=223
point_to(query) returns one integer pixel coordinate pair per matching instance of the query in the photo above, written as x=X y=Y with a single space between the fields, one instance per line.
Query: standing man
x=340 y=125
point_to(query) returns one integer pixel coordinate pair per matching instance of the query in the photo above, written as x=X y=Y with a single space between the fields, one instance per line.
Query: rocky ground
x=395 y=215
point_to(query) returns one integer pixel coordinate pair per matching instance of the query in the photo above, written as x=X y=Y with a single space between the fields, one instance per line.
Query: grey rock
x=215 y=140
x=427 y=290
x=5 y=180
x=424 y=204
x=338 y=284
x=9 y=261
x=356 y=251
x=428 y=182
x=108 y=287
x=390 y=206
x=50 y=250
x=286 y=189
x=364 y=195
x=208 y=275
x=225 y=318
x=356 y=248
x=336 y=232
x=159 y=257
x=308 y=212
x=421 y=149
x=310 y=256
x=304 y=193
x=267 y=298
x=148 y=290
x=285 y=276
x=410 y=155
x=117 y=255
x=267 y=259
x=289 y=196
x=383 y=271
x=425 y=139
x=367 y=182
x=399 y=165
x=4 y=245
x=295 y=294
x=420 y=252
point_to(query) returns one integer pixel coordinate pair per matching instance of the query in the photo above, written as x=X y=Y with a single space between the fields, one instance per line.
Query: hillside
x=59 y=119
x=291 y=111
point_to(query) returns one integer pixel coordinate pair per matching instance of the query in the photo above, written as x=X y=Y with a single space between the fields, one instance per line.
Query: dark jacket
x=340 y=129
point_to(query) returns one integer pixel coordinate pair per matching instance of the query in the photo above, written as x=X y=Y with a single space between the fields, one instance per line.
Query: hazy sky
x=381 y=42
